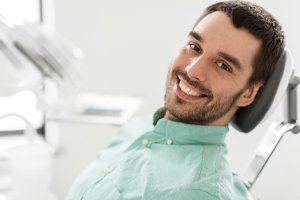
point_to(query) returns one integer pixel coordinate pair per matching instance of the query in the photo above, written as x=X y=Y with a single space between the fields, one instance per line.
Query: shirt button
x=145 y=142
x=169 y=141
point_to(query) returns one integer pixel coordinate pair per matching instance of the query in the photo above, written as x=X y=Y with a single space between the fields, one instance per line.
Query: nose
x=198 y=69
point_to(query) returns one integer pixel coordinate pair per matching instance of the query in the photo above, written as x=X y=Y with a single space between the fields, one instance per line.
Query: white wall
x=128 y=46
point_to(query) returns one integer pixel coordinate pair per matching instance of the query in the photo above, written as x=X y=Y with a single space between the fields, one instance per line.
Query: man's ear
x=248 y=96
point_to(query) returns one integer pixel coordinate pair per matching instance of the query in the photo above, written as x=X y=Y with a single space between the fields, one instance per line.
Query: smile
x=189 y=91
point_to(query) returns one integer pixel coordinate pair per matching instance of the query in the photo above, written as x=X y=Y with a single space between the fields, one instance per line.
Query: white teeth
x=188 y=90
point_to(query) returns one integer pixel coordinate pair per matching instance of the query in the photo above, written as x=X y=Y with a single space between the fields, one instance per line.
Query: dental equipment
x=33 y=58
x=281 y=85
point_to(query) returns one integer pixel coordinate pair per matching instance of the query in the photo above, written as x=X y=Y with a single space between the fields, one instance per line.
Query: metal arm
x=290 y=104
x=275 y=134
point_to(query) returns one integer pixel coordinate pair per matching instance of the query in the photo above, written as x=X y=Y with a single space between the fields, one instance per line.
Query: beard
x=205 y=112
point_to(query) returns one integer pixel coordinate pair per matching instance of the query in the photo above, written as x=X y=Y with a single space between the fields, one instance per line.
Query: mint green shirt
x=170 y=161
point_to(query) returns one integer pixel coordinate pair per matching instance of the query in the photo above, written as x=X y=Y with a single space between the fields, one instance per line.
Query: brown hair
x=262 y=25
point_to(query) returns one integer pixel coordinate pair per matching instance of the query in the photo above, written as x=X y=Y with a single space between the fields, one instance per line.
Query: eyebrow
x=235 y=61
x=231 y=59
x=196 y=36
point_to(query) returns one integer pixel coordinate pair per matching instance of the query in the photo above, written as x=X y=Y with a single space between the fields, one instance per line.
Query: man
x=229 y=54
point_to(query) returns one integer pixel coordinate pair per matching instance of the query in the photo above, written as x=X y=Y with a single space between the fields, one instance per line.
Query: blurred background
x=127 y=47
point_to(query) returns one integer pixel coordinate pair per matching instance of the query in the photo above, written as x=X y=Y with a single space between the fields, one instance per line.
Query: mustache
x=196 y=84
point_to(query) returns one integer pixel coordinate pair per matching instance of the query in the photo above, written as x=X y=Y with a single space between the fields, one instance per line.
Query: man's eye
x=194 y=47
x=224 y=66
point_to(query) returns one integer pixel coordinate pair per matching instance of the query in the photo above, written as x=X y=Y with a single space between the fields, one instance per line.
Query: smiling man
x=229 y=54
x=208 y=79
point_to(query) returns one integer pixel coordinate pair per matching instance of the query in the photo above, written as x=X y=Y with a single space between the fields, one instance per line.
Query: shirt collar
x=181 y=133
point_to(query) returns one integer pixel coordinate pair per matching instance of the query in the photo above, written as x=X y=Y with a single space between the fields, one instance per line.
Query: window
x=19 y=11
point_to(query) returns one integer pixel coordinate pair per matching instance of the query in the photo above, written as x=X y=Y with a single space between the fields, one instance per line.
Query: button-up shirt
x=168 y=161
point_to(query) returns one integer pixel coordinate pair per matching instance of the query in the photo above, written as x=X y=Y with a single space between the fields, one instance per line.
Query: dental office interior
x=74 y=71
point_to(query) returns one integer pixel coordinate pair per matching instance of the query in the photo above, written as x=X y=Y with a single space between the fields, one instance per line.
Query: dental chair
x=282 y=85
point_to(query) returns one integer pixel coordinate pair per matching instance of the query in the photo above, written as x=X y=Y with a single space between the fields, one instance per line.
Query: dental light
x=17 y=72
x=29 y=55
x=33 y=59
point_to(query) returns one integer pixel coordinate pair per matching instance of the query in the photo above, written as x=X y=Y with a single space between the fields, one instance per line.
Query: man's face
x=208 y=79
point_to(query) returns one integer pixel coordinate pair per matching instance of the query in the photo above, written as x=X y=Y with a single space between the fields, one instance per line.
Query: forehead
x=220 y=35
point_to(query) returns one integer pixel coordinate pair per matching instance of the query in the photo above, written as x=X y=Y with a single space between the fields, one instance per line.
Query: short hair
x=262 y=25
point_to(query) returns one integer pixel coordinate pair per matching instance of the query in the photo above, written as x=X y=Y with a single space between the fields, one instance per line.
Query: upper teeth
x=188 y=90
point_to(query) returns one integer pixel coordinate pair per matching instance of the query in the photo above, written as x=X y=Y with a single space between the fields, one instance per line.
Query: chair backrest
x=268 y=97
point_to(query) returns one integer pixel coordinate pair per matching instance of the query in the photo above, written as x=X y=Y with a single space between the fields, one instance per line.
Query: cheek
x=222 y=90
x=228 y=85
